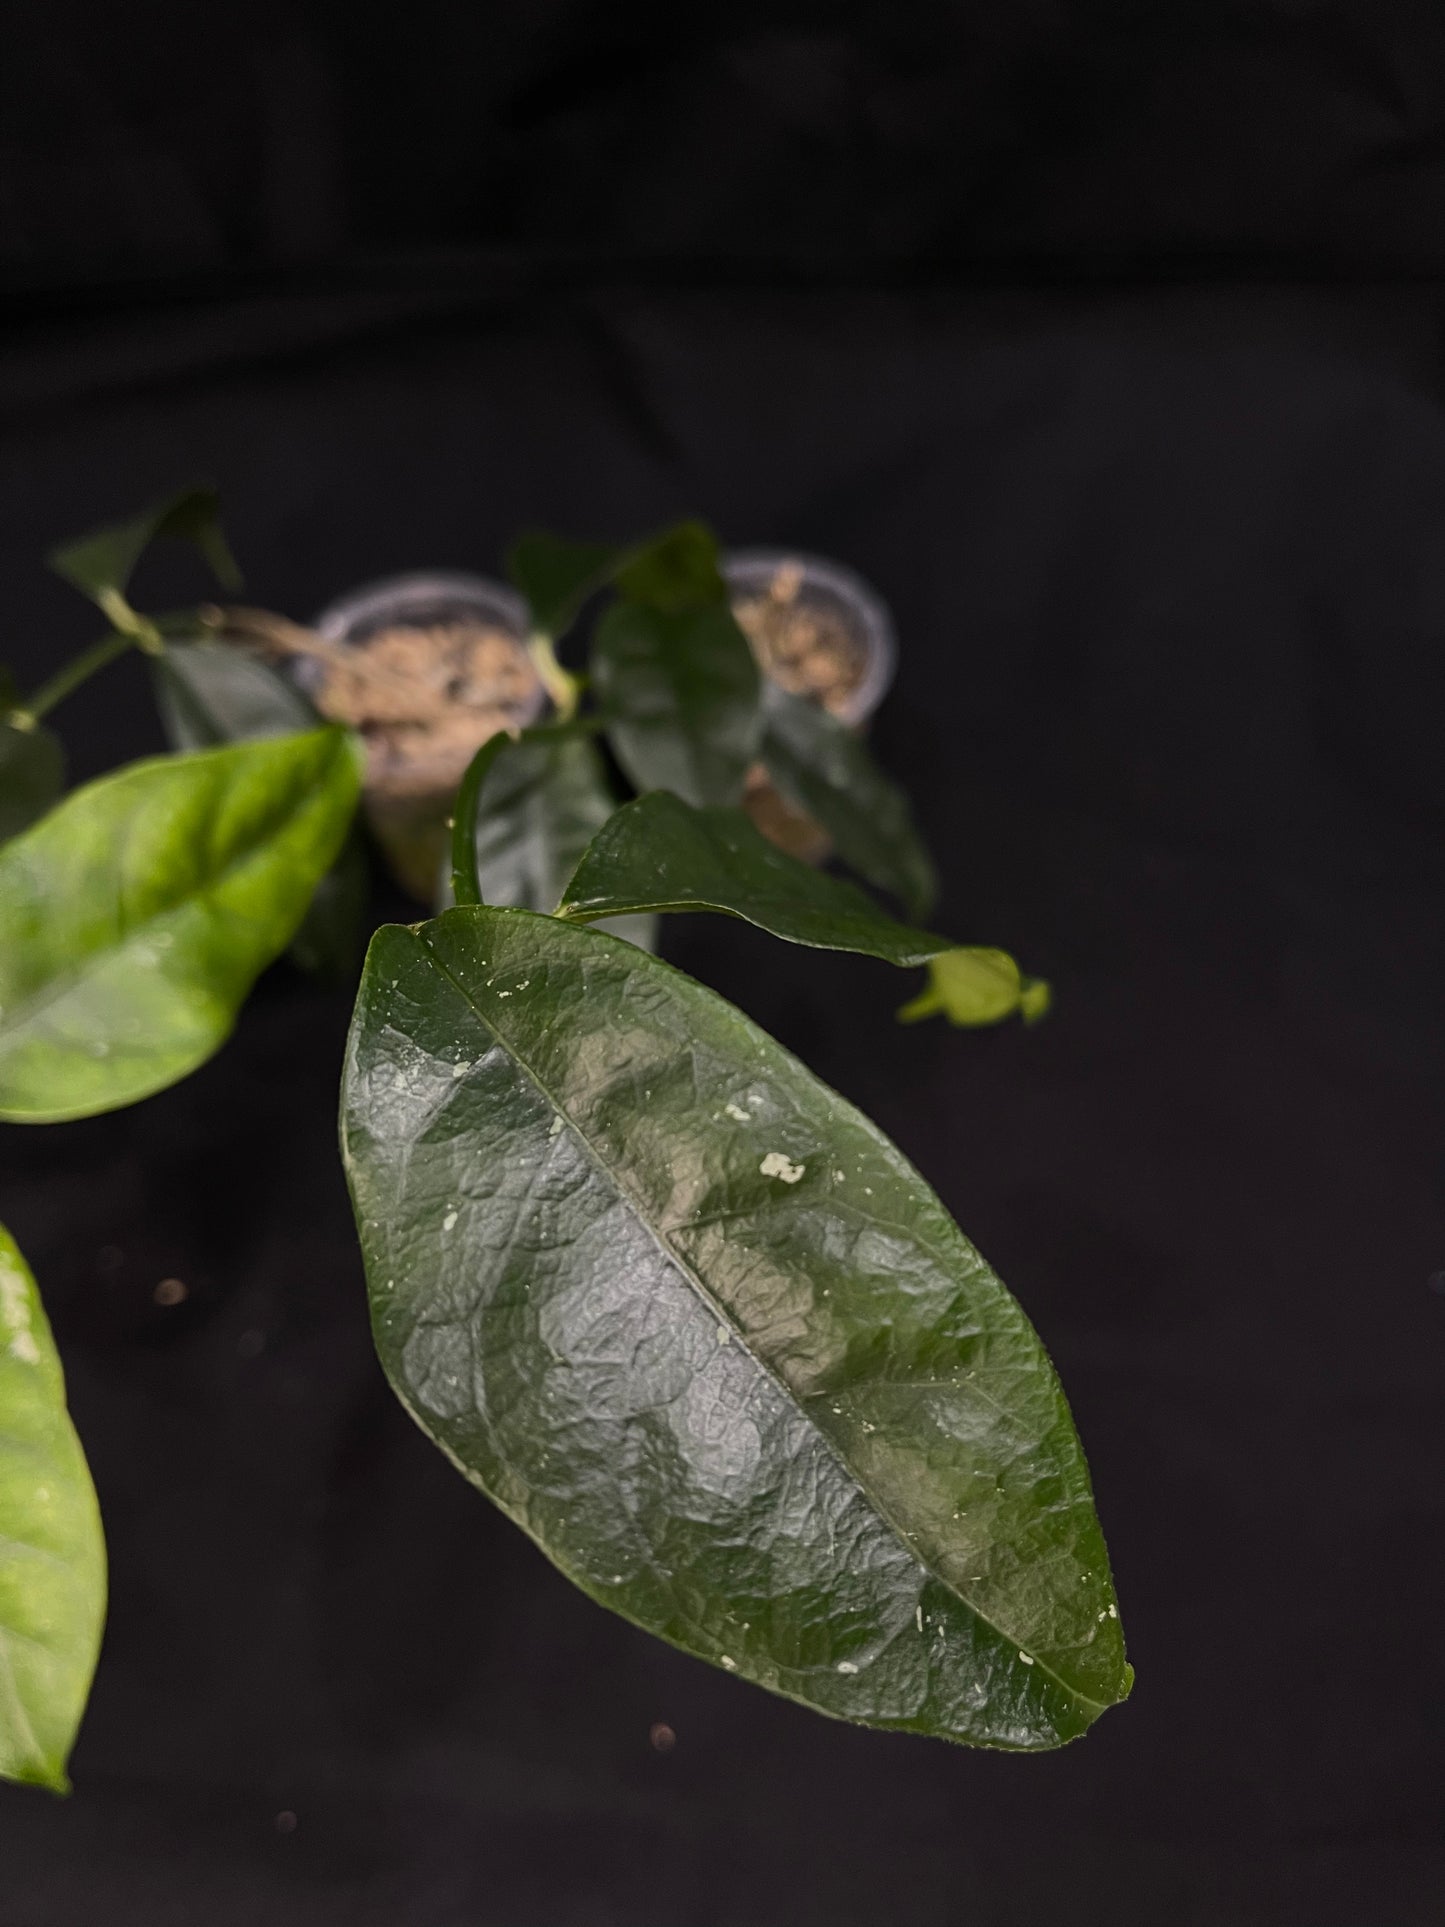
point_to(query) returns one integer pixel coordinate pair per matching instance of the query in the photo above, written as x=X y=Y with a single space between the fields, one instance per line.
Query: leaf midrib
x=724 y=1315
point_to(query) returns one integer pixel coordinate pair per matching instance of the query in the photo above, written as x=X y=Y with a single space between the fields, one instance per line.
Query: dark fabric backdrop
x=1106 y=340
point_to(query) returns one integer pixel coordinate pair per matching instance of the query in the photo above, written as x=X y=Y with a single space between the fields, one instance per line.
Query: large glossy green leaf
x=100 y=565
x=32 y=775
x=660 y=854
x=209 y=693
x=540 y=804
x=825 y=768
x=136 y=916
x=52 y=1552
x=681 y=697
x=701 y=1330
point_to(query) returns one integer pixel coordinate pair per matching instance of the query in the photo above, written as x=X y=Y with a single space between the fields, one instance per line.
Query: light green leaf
x=681 y=698
x=702 y=1331
x=973 y=985
x=660 y=854
x=824 y=768
x=52 y=1551
x=541 y=802
x=101 y=565
x=209 y=693
x=139 y=912
x=32 y=776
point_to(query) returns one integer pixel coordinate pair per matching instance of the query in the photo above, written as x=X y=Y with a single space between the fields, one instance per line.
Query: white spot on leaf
x=778 y=1165
x=736 y=1111
x=846 y=1666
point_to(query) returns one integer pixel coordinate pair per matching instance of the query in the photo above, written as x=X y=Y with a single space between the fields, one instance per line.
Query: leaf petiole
x=68 y=678
x=562 y=687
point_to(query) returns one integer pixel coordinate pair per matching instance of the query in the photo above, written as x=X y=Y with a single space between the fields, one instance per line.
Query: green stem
x=561 y=685
x=466 y=880
x=136 y=632
x=70 y=677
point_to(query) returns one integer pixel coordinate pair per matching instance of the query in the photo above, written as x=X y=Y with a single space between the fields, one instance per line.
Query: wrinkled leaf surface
x=700 y=1329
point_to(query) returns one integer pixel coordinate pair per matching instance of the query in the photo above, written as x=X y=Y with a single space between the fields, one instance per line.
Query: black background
x=1107 y=340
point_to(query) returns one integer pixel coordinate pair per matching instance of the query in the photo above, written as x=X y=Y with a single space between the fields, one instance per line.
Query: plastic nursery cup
x=440 y=665
x=819 y=632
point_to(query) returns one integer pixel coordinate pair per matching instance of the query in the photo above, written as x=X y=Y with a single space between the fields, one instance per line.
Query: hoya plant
x=673 y=1304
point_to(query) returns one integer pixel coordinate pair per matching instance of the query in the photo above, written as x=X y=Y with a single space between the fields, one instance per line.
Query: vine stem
x=561 y=685
x=70 y=676
x=130 y=631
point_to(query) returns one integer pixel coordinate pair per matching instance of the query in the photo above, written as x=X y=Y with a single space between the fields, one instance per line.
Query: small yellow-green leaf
x=135 y=917
x=973 y=985
x=52 y=1551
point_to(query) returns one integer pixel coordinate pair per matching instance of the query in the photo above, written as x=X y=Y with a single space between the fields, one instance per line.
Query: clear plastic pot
x=442 y=664
x=820 y=632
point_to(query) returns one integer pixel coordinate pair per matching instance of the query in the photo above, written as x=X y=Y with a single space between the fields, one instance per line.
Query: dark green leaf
x=209 y=693
x=101 y=565
x=704 y=1333
x=557 y=577
x=541 y=803
x=824 y=768
x=52 y=1573
x=681 y=698
x=328 y=941
x=675 y=571
x=972 y=985
x=139 y=912
x=661 y=854
x=32 y=775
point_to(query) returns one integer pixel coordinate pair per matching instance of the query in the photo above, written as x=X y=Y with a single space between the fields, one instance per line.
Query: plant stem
x=561 y=685
x=70 y=677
